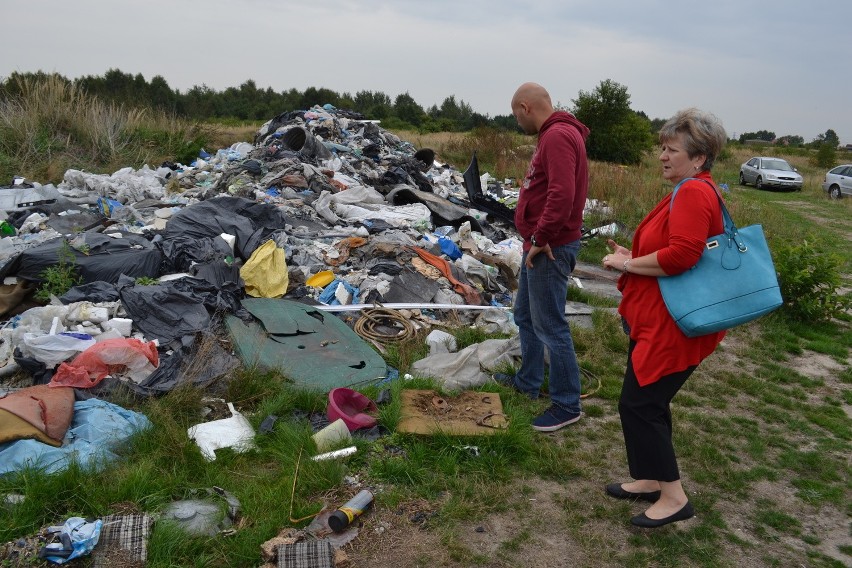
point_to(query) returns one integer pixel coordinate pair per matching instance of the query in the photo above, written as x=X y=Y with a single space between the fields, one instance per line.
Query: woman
x=660 y=358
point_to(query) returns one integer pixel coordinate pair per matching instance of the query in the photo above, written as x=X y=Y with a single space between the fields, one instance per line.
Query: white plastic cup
x=332 y=435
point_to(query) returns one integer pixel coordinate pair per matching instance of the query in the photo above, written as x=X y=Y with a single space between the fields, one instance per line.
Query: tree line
x=618 y=133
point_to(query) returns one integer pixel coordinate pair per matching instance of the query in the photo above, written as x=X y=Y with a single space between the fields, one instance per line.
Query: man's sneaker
x=555 y=418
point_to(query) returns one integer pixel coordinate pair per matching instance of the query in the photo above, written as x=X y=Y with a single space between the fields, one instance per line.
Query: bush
x=826 y=156
x=58 y=279
x=809 y=283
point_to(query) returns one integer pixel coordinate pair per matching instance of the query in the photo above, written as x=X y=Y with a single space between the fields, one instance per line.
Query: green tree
x=373 y=105
x=765 y=135
x=406 y=109
x=618 y=134
x=790 y=140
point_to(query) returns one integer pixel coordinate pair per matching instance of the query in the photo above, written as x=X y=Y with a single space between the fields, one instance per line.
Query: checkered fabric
x=128 y=533
x=312 y=554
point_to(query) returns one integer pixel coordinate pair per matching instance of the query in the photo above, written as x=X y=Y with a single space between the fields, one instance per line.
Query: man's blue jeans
x=540 y=316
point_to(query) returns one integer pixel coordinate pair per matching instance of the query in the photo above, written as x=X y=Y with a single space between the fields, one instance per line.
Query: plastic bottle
x=343 y=517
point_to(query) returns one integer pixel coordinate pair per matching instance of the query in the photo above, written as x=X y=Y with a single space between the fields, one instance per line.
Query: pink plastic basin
x=350 y=406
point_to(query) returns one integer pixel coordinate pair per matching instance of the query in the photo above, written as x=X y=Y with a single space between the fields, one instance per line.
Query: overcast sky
x=777 y=65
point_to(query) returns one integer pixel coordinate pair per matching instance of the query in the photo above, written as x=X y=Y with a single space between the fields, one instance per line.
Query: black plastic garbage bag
x=92 y=292
x=217 y=273
x=162 y=311
x=198 y=364
x=105 y=258
x=181 y=252
x=250 y=222
x=40 y=373
x=479 y=200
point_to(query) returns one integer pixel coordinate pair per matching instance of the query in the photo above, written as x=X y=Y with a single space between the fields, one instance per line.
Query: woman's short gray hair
x=702 y=133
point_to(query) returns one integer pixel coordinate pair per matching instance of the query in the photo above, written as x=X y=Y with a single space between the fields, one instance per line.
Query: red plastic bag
x=130 y=357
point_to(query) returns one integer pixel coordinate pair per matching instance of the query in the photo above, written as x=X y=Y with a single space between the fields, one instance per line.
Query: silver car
x=770 y=172
x=838 y=181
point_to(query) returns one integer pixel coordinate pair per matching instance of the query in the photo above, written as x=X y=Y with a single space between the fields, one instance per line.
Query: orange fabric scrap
x=471 y=295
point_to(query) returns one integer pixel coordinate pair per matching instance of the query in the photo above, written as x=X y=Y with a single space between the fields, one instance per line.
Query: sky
x=776 y=65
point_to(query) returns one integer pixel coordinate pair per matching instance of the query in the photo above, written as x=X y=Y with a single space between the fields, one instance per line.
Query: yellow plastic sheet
x=265 y=273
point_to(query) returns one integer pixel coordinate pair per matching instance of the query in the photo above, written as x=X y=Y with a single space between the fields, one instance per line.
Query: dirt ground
x=531 y=532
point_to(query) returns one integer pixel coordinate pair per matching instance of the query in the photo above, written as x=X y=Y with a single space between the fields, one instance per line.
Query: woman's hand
x=617 y=248
x=616 y=260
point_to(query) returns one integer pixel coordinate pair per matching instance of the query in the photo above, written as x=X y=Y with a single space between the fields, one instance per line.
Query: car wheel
x=759 y=183
x=834 y=191
x=742 y=179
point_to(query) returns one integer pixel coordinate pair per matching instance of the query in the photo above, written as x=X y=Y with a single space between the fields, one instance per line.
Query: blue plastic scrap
x=77 y=537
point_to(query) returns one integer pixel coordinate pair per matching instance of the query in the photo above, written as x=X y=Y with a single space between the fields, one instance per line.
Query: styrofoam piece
x=230 y=239
x=124 y=326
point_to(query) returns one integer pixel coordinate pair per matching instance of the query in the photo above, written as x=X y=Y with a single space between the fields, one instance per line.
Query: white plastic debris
x=121 y=325
x=440 y=342
x=234 y=432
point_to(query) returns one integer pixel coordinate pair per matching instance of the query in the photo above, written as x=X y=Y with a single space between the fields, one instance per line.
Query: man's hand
x=534 y=250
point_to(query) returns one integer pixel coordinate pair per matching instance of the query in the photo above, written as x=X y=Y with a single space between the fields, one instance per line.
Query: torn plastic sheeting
x=444 y=212
x=106 y=259
x=54 y=348
x=12 y=198
x=132 y=357
x=198 y=364
x=218 y=273
x=93 y=291
x=265 y=273
x=97 y=427
x=234 y=432
x=182 y=251
x=324 y=205
x=346 y=358
x=411 y=286
x=399 y=216
x=250 y=222
x=163 y=312
x=469 y=367
x=473 y=184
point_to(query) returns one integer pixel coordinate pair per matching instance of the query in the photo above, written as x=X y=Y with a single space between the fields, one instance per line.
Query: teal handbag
x=733 y=283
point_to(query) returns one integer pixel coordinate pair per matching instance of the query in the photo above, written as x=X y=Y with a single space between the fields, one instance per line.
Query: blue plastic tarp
x=97 y=427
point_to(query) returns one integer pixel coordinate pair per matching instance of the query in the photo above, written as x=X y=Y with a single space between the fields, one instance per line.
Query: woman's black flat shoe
x=687 y=512
x=617 y=491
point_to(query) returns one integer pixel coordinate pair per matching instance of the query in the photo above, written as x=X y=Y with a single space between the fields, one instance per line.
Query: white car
x=838 y=181
x=770 y=172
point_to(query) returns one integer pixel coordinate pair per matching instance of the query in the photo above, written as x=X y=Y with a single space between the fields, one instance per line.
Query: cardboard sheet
x=469 y=413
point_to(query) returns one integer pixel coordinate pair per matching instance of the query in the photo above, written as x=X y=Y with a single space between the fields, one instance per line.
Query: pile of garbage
x=324 y=207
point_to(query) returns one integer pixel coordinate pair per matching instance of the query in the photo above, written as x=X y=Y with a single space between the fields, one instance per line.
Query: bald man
x=549 y=216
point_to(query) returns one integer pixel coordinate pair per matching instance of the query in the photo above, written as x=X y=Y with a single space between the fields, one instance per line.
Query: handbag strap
x=729 y=227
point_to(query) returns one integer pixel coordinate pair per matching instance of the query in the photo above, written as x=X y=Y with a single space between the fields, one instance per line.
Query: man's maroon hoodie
x=553 y=194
